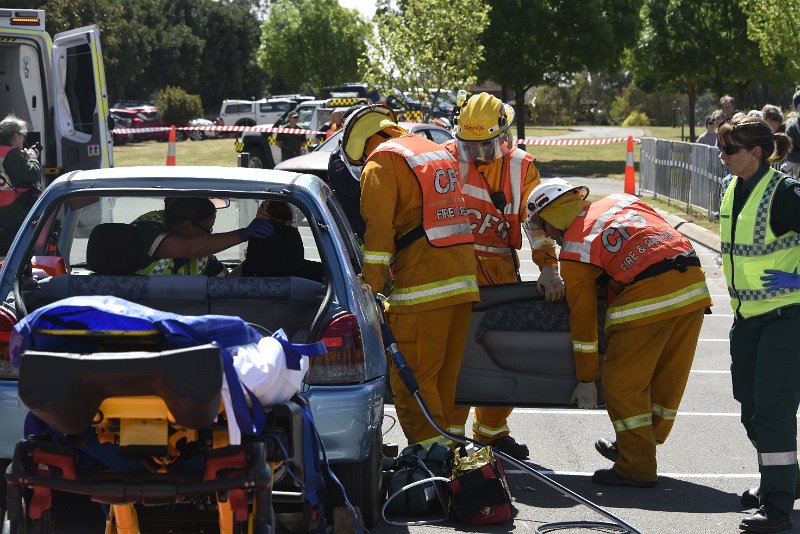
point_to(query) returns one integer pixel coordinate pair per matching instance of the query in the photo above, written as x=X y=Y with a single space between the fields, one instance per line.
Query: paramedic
x=652 y=323
x=759 y=229
x=19 y=175
x=178 y=238
x=498 y=177
x=416 y=223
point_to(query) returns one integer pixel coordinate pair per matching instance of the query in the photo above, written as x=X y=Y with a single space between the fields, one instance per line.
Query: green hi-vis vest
x=167 y=266
x=755 y=248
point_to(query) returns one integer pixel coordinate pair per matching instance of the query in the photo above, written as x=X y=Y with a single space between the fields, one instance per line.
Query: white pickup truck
x=250 y=113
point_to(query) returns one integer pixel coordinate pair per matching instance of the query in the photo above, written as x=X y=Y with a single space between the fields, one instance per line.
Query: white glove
x=551 y=283
x=585 y=395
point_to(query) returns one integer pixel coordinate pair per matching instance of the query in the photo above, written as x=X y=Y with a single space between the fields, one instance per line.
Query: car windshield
x=78 y=216
x=331 y=143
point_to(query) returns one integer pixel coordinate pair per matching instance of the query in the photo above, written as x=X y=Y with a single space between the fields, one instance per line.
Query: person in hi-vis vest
x=760 y=235
x=418 y=252
x=652 y=323
x=497 y=179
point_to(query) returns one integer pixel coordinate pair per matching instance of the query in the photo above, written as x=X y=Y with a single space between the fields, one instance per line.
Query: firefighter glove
x=780 y=280
x=259 y=228
x=585 y=395
x=551 y=284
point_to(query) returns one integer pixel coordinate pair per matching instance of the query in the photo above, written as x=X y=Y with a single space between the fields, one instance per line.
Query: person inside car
x=179 y=238
x=282 y=253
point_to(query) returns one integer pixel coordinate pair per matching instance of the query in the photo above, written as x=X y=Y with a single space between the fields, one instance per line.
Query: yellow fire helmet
x=483 y=117
x=360 y=126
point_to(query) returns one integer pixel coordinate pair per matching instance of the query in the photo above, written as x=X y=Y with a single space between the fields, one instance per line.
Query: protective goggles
x=483 y=151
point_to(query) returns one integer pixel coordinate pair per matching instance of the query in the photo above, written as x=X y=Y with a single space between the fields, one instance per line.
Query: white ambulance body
x=58 y=87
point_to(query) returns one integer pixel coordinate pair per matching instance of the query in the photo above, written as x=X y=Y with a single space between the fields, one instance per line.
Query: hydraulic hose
x=409 y=380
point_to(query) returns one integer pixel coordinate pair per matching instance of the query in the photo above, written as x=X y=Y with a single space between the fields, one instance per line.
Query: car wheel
x=198 y=135
x=258 y=158
x=363 y=482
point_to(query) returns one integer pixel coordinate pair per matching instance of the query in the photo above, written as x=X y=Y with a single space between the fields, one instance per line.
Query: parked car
x=199 y=135
x=316 y=162
x=134 y=120
x=121 y=122
x=250 y=113
x=345 y=388
x=312 y=114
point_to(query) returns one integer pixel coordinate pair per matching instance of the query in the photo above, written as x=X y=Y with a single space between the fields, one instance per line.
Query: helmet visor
x=483 y=151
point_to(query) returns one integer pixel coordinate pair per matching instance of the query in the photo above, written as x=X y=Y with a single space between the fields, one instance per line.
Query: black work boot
x=607 y=448
x=766 y=519
x=749 y=498
x=508 y=445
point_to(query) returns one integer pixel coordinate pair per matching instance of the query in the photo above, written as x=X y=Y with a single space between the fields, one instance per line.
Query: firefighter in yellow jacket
x=652 y=324
x=497 y=179
x=416 y=224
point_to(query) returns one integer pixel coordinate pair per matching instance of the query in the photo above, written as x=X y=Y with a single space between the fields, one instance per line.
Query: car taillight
x=6 y=325
x=344 y=362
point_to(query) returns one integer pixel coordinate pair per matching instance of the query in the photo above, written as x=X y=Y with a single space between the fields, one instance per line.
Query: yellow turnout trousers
x=432 y=342
x=644 y=376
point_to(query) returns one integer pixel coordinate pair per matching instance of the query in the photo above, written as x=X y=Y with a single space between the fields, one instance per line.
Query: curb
x=705 y=237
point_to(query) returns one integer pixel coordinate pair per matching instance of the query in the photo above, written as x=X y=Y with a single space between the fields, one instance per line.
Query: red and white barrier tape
x=574 y=142
x=539 y=141
x=218 y=129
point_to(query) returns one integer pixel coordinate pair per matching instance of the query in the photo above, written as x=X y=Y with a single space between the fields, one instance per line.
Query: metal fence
x=687 y=173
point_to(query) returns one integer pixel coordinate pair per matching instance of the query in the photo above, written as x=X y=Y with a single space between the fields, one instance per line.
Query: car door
x=81 y=101
x=519 y=349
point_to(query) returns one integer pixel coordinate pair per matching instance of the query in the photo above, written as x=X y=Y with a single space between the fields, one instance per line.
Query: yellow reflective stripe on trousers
x=441 y=440
x=777 y=458
x=440 y=289
x=629 y=423
x=645 y=308
x=584 y=346
x=487 y=430
x=458 y=430
x=380 y=258
x=664 y=413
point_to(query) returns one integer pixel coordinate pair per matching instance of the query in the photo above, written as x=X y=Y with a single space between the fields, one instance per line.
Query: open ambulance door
x=519 y=349
x=81 y=101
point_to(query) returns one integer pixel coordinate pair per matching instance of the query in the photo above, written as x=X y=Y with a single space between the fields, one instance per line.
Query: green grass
x=219 y=152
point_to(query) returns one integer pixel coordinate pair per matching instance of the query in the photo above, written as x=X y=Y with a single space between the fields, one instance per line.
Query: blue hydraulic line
x=407 y=376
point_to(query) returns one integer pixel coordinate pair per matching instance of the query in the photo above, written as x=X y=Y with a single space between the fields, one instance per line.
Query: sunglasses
x=730 y=149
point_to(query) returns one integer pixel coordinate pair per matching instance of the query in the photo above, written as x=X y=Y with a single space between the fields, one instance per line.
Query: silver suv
x=250 y=113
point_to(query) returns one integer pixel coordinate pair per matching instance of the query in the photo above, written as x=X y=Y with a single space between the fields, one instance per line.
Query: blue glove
x=781 y=280
x=257 y=228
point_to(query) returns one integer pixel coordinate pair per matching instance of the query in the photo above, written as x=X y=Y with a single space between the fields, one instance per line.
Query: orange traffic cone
x=171 y=147
x=630 y=177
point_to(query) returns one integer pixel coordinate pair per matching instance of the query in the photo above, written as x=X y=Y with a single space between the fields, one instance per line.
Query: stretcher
x=121 y=417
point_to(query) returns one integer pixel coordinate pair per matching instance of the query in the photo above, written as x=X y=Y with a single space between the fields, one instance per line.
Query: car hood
x=313 y=162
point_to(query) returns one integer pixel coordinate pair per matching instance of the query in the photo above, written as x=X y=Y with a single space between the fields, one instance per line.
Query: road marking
x=576 y=411
x=550 y=472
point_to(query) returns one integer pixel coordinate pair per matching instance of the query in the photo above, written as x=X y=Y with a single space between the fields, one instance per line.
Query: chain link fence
x=685 y=173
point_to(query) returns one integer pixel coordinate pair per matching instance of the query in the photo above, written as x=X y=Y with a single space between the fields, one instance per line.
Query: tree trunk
x=692 y=94
x=519 y=109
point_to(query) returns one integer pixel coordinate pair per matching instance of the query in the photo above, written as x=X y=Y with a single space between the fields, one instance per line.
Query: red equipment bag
x=479 y=490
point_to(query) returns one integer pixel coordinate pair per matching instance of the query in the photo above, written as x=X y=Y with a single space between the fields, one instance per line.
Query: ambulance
x=57 y=85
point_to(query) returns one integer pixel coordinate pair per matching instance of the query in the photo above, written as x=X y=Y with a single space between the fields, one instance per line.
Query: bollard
x=630 y=176
x=171 y=147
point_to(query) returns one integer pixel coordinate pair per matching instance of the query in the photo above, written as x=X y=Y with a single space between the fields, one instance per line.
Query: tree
x=312 y=43
x=774 y=25
x=426 y=45
x=692 y=45
x=544 y=42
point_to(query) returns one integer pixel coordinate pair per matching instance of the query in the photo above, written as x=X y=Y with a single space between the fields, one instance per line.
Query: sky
x=365 y=7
